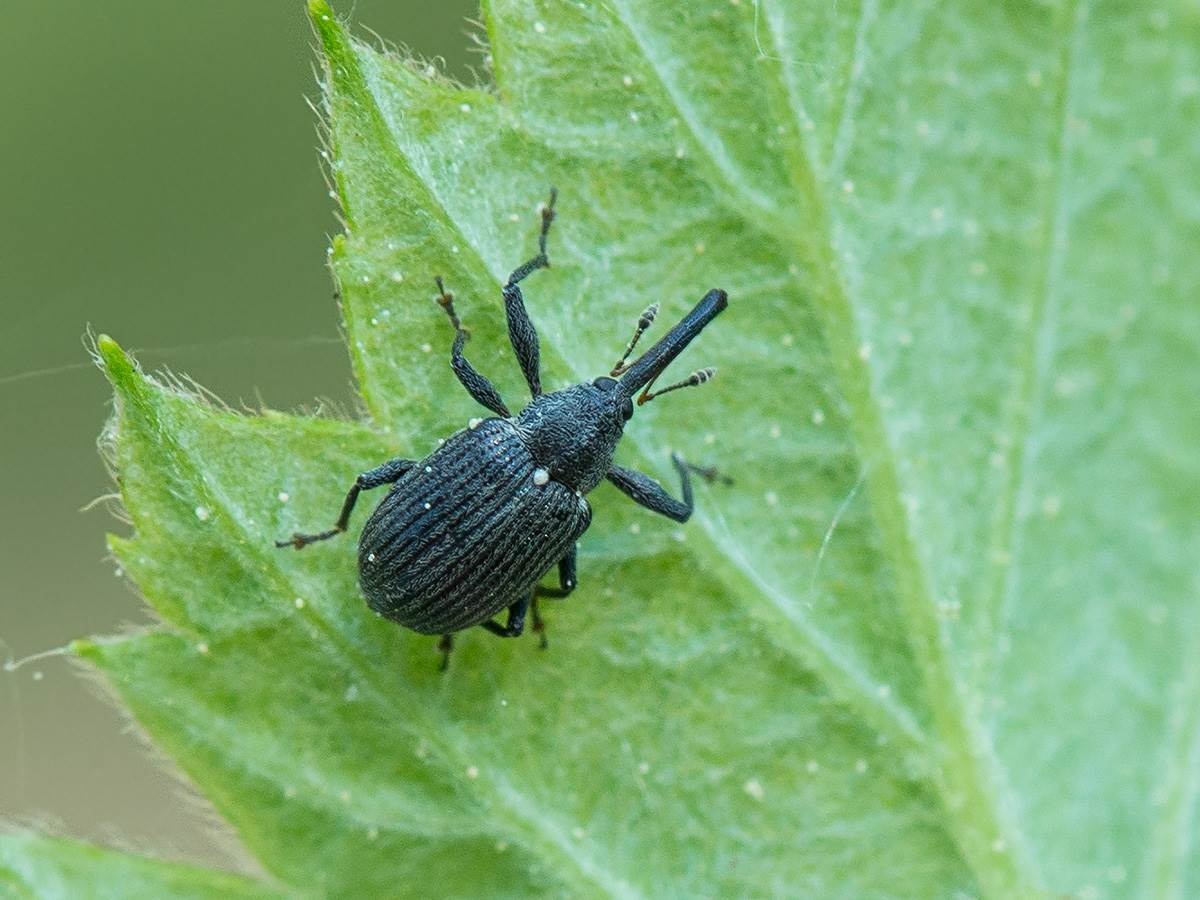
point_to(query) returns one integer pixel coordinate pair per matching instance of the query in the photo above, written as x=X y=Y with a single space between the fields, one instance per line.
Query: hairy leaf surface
x=941 y=635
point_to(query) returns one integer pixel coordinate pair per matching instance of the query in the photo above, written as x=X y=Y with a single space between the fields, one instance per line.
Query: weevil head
x=573 y=433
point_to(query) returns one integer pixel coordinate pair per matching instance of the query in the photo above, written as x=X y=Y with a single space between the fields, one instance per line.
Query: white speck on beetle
x=754 y=788
x=474 y=423
x=299 y=601
x=540 y=476
x=539 y=27
x=428 y=470
x=202 y=513
x=472 y=772
x=428 y=505
x=370 y=557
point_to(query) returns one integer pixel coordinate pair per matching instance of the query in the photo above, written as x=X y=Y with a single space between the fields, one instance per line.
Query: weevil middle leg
x=477 y=385
x=388 y=473
x=515 y=625
x=566 y=584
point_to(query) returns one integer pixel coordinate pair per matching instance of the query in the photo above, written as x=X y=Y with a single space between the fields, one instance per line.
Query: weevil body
x=470 y=530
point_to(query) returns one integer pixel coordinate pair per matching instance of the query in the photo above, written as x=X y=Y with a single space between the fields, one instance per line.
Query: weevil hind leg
x=389 y=472
x=445 y=646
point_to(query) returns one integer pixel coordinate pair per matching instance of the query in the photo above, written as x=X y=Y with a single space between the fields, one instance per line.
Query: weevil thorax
x=573 y=433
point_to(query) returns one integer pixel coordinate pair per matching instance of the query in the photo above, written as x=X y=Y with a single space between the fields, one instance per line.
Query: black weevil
x=471 y=529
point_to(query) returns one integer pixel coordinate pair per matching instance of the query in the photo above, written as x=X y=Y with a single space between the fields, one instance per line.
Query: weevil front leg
x=644 y=490
x=482 y=390
x=389 y=472
x=521 y=332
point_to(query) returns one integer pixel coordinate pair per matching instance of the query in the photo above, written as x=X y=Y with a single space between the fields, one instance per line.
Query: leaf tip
x=327 y=26
x=84 y=649
x=117 y=365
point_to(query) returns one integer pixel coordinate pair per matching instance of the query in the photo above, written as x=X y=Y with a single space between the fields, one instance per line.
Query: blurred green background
x=161 y=184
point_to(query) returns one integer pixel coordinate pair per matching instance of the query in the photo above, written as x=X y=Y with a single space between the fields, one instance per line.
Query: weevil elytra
x=471 y=529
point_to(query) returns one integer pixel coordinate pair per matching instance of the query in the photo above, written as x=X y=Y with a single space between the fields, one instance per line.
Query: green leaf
x=33 y=866
x=941 y=635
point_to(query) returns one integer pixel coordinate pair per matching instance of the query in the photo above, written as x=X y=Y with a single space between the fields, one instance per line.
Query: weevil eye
x=605 y=383
x=627 y=412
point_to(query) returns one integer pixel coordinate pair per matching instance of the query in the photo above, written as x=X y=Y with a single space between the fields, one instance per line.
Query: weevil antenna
x=697 y=378
x=645 y=320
